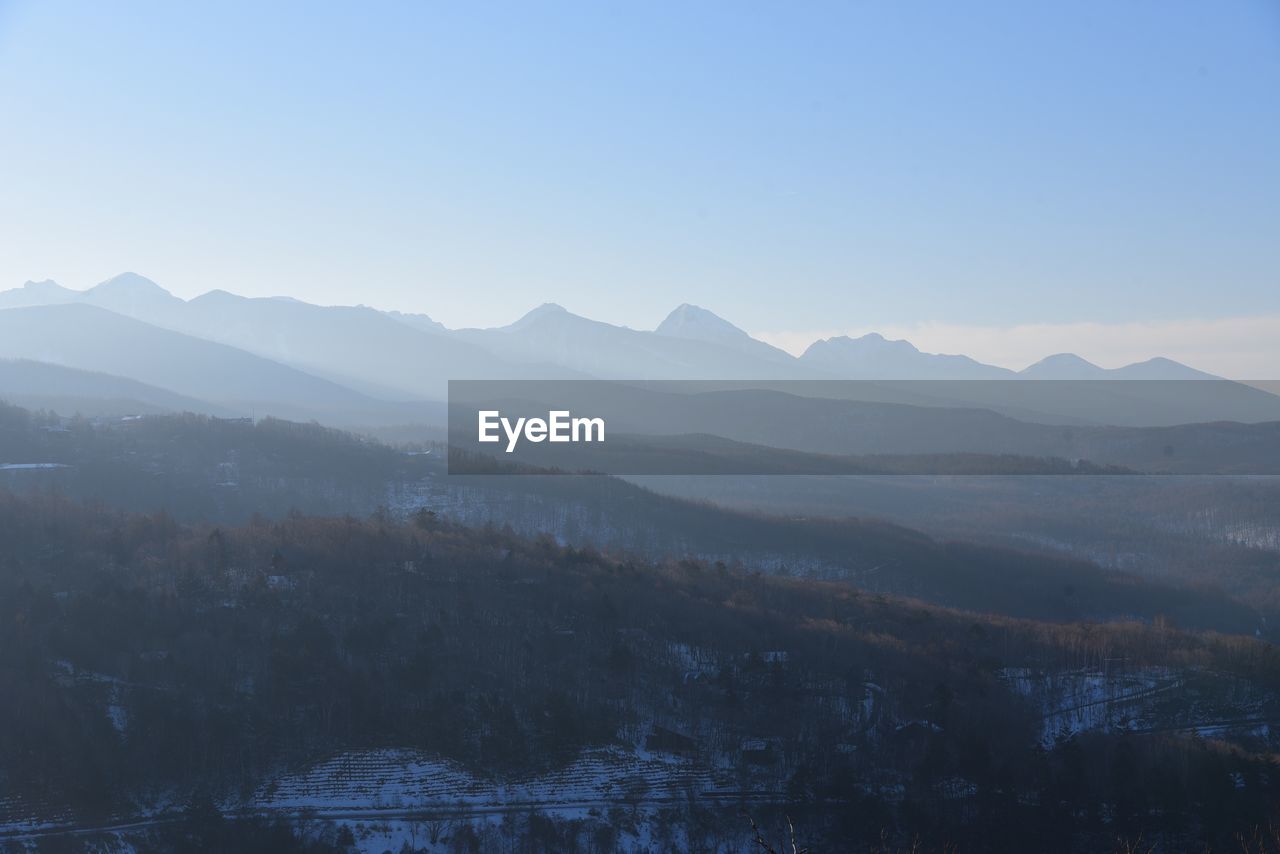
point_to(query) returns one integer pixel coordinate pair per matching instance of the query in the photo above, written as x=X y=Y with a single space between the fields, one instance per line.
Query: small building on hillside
x=663 y=740
x=759 y=751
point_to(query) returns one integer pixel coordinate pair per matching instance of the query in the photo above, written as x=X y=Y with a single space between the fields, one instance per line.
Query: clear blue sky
x=790 y=165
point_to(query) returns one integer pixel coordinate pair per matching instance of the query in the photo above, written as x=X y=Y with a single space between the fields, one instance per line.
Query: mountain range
x=358 y=365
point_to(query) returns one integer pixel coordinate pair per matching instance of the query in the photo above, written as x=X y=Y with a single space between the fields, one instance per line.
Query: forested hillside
x=226 y=471
x=157 y=671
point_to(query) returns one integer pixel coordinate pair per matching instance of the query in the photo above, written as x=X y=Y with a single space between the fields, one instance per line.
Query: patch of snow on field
x=403 y=779
x=1080 y=700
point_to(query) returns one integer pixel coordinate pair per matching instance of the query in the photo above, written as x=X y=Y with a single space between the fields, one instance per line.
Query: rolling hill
x=88 y=338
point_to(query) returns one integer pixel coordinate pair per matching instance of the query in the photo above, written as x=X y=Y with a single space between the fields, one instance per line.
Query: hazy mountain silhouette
x=383 y=355
x=549 y=332
x=420 y=322
x=397 y=355
x=873 y=356
x=43 y=385
x=47 y=292
x=369 y=357
x=1069 y=366
x=86 y=337
x=697 y=324
x=135 y=296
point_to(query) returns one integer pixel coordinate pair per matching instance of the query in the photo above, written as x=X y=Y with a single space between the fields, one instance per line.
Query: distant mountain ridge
x=391 y=356
x=697 y=324
x=44 y=385
x=88 y=338
x=1069 y=366
x=875 y=357
x=270 y=327
x=46 y=292
x=347 y=363
x=602 y=350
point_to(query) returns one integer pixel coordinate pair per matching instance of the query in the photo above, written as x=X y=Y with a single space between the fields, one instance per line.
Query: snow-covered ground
x=1140 y=699
x=389 y=797
x=404 y=779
